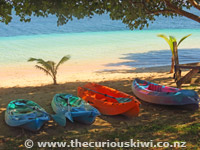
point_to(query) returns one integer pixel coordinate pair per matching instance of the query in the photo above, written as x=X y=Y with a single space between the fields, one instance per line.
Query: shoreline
x=30 y=76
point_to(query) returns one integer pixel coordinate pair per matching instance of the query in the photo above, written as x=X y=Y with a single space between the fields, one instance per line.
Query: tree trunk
x=54 y=81
x=172 y=65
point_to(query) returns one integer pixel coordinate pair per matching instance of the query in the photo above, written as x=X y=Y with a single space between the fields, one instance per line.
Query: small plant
x=49 y=67
x=170 y=42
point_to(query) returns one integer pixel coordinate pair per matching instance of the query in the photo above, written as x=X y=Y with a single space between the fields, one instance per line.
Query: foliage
x=49 y=67
x=171 y=40
x=134 y=13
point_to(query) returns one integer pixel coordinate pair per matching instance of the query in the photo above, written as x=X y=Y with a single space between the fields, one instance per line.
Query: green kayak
x=74 y=108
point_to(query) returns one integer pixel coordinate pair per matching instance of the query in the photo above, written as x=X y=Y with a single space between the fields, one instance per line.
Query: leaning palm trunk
x=172 y=65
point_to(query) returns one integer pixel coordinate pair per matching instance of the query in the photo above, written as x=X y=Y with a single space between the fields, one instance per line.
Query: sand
x=27 y=75
x=34 y=85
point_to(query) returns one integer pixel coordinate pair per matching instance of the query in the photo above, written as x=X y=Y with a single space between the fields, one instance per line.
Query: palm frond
x=172 y=39
x=52 y=65
x=183 y=39
x=167 y=40
x=43 y=69
x=45 y=64
x=63 y=60
x=32 y=59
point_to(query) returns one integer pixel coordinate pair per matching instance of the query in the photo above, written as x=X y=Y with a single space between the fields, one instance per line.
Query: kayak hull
x=163 y=95
x=78 y=112
x=106 y=104
x=34 y=125
x=31 y=120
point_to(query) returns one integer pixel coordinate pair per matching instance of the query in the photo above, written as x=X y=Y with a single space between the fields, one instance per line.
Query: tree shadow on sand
x=154 y=122
x=141 y=61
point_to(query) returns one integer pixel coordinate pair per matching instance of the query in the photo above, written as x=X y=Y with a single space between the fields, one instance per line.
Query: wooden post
x=188 y=76
x=177 y=73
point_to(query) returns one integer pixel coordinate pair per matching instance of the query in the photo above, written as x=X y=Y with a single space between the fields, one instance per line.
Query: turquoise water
x=93 y=39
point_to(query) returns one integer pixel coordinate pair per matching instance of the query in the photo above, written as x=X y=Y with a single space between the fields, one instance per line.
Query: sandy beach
x=36 y=86
x=28 y=75
x=21 y=80
x=104 y=51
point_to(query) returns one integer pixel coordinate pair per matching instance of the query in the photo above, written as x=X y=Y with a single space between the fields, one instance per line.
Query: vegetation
x=170 y=42
x=134 y=13
x=49 y=67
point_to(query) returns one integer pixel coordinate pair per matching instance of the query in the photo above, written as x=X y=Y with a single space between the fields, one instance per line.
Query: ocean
x=98 y=39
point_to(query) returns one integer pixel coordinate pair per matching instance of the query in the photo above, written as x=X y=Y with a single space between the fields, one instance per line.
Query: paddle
x=68 y=113
x=119 y=99
x=58 y=118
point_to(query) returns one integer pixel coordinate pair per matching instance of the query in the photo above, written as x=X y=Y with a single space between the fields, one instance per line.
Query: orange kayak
x=109 y=101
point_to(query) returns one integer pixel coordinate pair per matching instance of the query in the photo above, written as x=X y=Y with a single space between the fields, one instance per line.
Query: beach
x=90 y=52
x=105 y=52
x=95 y=45
x=162 y=123
x=30 y=76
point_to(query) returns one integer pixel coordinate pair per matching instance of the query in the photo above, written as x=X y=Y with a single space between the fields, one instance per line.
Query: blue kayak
x=163 y=95
x=74 y=108
x=25 y=114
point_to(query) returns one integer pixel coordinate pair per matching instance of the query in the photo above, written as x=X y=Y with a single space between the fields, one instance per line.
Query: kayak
x=74 y=108
x=109 y=101
x=163 y=95
x=25 y=114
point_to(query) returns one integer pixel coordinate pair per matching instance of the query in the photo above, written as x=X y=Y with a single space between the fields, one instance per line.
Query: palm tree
x=49 y=67
x=170 y=42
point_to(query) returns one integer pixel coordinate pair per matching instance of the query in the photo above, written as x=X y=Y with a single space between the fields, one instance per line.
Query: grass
x=156 y=130
x=157 y=123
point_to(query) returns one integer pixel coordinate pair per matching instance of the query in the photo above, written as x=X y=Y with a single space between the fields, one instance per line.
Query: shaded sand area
x=158 y=123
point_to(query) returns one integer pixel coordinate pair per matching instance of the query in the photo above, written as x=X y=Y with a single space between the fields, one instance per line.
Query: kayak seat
x=153 y=87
